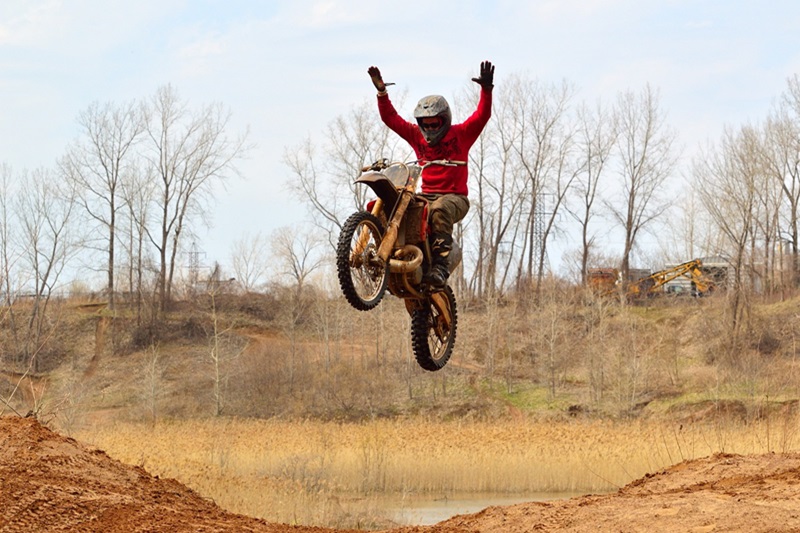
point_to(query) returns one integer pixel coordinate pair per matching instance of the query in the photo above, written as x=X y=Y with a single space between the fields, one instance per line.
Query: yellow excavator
x=606 y=281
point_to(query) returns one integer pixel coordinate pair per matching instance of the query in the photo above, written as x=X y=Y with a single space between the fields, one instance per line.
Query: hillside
x=264 y=356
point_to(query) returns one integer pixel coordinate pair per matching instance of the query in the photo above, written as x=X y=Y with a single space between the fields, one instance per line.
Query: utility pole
x=539 y=214
x=194 y=266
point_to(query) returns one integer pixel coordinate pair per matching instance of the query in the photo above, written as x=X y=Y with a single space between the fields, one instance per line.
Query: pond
x=428 y=510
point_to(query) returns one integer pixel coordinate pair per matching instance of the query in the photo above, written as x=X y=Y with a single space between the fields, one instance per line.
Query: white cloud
x=29 y=23
x=199 y=56
x=550 y=10
x=698 y=24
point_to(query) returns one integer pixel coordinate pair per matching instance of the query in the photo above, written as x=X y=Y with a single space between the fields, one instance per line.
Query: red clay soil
x=49 y=482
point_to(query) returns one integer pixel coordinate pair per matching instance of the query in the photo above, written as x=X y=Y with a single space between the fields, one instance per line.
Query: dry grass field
x=337 y=474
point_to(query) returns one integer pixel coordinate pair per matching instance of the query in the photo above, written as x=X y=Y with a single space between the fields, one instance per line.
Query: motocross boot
x=441 y=246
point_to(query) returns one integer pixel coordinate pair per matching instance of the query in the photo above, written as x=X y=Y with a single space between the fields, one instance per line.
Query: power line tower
x=539 y=214
x=194 y=266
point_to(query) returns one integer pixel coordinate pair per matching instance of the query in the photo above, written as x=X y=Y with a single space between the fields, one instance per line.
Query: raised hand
x=377 y=79
x=486 y=79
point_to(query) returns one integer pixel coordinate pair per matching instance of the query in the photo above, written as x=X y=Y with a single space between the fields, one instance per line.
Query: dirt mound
x=718 y=493
x=52 y=483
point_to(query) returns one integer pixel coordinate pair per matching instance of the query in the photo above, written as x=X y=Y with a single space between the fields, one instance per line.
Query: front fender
x=383 y=187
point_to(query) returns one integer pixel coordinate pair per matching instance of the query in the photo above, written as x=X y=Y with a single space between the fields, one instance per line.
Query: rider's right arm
x=396 y=123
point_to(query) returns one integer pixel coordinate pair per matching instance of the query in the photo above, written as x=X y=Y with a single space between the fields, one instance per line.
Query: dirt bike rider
x=433 y=137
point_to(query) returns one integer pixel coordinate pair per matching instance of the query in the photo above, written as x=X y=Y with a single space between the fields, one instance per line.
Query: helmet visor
x=431 y=123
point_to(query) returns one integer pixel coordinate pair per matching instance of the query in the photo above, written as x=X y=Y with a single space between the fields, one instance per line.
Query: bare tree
x=645 y=149
x=597 y=133
x=553 y=339
x=98 y=162
x=189 y=153
x=251 y=260
x=9 y=259
x=769 y=197
x=8 y=255
x=727 y=177
x=44 y=209
x=138 y=195
x=328 y=325
x=298 y=255
x=152 y=381
x=326 y=181
x=690 y=234
x=525 y=154
x=545 y=150
x=222 y=353
x=782 y=158
x=498 y=193
x=596 y=332
x=541 y=148
x=354 y=140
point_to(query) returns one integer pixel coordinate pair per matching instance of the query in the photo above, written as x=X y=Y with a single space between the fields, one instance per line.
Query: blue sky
x=286 y=68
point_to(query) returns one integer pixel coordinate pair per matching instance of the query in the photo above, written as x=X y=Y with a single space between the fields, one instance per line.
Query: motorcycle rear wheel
x=361 y=276
x=431 y=337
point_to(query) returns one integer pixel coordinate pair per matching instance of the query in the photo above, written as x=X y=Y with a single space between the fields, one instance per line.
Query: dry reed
x=324 y=473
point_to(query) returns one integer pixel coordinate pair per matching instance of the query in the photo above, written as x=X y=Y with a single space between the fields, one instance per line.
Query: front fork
x=390 y=238
x=437 y=299
x=363 y=237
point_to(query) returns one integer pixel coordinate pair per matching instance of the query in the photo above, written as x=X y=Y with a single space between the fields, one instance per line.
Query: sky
x=287 y=68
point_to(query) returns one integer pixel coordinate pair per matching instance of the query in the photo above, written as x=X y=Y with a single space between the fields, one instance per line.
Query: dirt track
x=52 y=483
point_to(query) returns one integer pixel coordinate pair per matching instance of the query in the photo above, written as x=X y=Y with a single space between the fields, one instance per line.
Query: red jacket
x=454 y=145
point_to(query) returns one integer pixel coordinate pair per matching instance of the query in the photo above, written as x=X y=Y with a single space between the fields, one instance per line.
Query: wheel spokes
x=365 y=271
x=437 y=332
x=363 y=241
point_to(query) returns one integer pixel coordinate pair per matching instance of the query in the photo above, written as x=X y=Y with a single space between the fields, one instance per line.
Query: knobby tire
x=363 y=284
x=431 y=349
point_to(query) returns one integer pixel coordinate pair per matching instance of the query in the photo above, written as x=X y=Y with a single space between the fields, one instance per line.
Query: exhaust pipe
x=404 y=266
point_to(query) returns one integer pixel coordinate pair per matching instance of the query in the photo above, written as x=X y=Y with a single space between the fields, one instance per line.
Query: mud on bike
x=385 y=247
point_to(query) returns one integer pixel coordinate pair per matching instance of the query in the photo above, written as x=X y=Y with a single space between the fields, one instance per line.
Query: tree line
x=130 y=187
x=548 y=160
x=543 y=156
x=136 y=182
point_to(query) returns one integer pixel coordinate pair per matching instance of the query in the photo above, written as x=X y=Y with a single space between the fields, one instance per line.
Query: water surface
x=428 y=510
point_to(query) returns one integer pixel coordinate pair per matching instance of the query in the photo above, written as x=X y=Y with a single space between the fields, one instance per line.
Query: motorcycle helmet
x=433 y=117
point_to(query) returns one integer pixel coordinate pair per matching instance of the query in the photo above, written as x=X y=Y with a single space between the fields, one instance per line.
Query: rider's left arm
x=474 y=125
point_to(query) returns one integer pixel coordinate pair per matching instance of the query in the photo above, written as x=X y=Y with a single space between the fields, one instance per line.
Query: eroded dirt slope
x=52 y=483
x=719 y=493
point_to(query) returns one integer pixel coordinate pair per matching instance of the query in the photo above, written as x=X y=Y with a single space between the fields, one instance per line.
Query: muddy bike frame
x=396 y=186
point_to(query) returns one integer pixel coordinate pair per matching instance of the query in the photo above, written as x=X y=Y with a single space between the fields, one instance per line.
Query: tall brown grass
x=331 y=474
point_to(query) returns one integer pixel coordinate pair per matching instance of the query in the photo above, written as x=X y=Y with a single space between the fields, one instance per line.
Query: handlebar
x=383 y=163
x=443 y=162
x=380 y=164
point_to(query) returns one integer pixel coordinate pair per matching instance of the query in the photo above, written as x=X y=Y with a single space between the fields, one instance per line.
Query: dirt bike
x=386 y=247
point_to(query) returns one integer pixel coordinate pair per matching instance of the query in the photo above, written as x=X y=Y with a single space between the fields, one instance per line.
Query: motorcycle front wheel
x=432 y=336
x=362 y=277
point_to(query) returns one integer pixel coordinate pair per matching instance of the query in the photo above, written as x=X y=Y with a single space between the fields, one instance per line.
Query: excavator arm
x=690 y=269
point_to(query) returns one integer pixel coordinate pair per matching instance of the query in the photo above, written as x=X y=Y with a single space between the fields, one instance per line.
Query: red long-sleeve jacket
x=455 y=145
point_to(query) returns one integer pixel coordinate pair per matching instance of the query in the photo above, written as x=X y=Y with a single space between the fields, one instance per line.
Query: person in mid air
x=435 y=137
